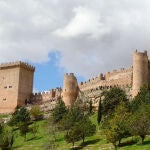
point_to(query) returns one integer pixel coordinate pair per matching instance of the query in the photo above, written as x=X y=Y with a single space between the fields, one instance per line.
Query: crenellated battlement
x=69 y=75
x=122 y=77
x=144 y=53
x=47 y=95
x=17 y=64
x=115 y=74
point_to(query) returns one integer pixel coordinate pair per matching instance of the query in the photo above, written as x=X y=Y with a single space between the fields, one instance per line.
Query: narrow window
x=4 y=99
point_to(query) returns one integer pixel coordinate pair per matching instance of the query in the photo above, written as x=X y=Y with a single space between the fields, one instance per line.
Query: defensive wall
x=50 y=95
x=16 y=84
x=121 y=78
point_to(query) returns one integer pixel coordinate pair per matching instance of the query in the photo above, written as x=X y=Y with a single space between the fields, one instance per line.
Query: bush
x=20 y=115
x=36 y=113
x=6 y=138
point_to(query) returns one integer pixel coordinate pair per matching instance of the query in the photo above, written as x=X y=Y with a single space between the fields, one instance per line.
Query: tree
x=90 y=107
x=59 y=111
x=21 y=118
x=20 y=115
x=99 y=116
x=116 y=128
x=73 y=135
x=139 y=122
x=77 y=124
x=112 y=136
x=86 y=128
x=74 y=114
x=142 y=97
x=112 y=98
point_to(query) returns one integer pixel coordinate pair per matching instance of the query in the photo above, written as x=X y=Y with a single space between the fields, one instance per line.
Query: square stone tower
x=16 y=85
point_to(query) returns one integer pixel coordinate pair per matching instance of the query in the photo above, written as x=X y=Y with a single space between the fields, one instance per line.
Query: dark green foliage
x=86 y=128
x=77 y=124
x=112 y=98
x=99 y=116
x=116 y=127
x=21 y=119
x=20 y=115
x=72 y=135
x=139 y=122
x=1 y=127
x=142 y=97
x=6 y=139
x=74 y=115
x=90 y=107
x=24 y=129
x=59 y=111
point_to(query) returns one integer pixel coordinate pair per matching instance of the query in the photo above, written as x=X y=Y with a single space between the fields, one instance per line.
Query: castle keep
x=16 y=84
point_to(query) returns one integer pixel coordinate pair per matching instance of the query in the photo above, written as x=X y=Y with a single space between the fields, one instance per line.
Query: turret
x=140 y=71
x=70 y=89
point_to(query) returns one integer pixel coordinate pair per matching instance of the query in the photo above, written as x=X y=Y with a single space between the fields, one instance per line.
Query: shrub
x=36 y=113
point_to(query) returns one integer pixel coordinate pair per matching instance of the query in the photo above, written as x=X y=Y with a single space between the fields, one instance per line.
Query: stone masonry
x=16 y=84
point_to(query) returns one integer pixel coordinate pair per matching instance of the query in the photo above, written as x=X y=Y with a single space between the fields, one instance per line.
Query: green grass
x=4 y=115
x=96 y=142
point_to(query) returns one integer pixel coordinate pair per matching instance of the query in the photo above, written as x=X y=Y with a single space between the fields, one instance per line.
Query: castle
x=16 y=83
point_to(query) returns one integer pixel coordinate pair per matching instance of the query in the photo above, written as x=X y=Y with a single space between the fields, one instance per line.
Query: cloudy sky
x=81 y=36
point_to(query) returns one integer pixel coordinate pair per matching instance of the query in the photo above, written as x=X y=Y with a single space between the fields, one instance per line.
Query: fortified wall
x=16 y=84
x=118 y=78
x=130 y=79
x=51 y=95
x=121 y=78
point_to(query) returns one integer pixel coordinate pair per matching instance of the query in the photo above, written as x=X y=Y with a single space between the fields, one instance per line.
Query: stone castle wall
x=51 y=95
x=121 y=78
x=16 y=83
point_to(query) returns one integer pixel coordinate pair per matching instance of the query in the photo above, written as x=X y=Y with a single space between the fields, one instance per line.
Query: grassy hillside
x=96 y=142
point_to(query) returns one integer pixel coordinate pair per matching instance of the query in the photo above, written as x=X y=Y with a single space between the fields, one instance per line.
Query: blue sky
x=49 y=75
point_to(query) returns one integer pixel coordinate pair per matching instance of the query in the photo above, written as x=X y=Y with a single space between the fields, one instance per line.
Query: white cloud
x=86 y=22
x=92 y=36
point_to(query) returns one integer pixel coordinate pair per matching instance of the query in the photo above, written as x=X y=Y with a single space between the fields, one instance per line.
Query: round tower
x=140 y=71
x=70 y=89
